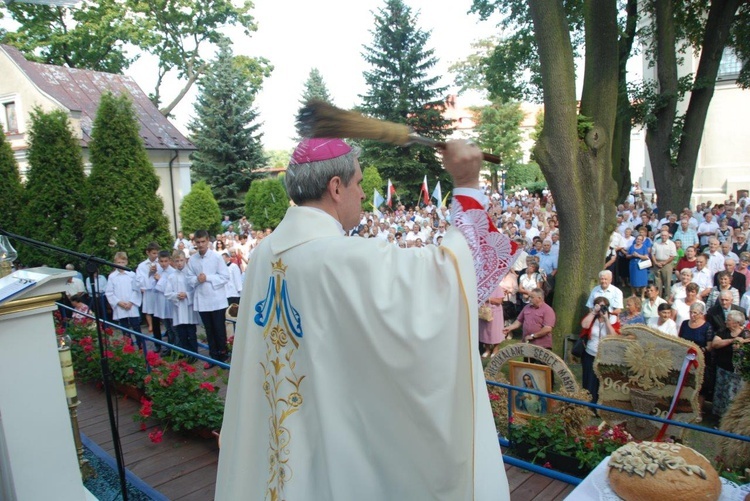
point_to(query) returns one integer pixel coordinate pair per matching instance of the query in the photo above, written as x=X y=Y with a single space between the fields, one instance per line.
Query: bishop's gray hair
x=308 y=182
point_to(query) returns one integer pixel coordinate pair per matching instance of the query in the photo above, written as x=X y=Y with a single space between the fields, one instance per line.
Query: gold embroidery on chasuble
x=281 y=326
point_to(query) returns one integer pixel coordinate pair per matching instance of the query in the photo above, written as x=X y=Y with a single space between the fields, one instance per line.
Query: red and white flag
x=425 y=192
x=389 y=194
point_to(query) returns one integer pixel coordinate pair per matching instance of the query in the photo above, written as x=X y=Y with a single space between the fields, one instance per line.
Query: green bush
x=125 y=211
x=200 y=211
x=53 y=208
x=266 y=203
x=11 y=189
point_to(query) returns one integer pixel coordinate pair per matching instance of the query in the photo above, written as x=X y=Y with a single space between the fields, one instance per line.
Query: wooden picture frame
x=535 y=376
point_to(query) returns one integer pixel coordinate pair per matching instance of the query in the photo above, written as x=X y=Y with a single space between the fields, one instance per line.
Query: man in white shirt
x=663 y=253
x=702 y=276
x=707 y=229
x=207 y=276
x=606 y=289
x=715 y=257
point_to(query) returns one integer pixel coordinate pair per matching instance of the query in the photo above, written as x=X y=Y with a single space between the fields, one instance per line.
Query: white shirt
x=668 y=327
x=162 y=307
x=209 y=295
x=182 y=309
x=715 y=263
x=612 y=293
x=599 y=331
x=234 y=284
x=703 y=278
x=123 y=286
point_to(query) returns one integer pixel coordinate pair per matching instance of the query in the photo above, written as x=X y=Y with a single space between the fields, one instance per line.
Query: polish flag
x=425 y=192
x=390 y=192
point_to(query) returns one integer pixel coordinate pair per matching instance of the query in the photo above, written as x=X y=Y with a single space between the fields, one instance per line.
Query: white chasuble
x=355 y=373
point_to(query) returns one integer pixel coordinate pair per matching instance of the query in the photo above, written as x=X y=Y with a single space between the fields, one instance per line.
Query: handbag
x=580 y=347
x=645 y=264
x=485 y=313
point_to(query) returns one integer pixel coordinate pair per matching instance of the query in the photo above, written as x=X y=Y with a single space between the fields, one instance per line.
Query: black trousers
x=216 y=332
x=186 y=337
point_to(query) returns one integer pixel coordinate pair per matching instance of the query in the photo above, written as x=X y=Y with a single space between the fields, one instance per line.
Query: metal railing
x=146 y=337
x=504 y=442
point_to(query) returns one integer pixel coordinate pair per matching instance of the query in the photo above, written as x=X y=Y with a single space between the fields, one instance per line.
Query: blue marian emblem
x=277 y=303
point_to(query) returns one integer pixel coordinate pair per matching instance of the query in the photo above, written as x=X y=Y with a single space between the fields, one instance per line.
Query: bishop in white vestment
x=355 y=372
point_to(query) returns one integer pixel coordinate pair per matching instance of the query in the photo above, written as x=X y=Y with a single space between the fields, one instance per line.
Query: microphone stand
x=92 y=265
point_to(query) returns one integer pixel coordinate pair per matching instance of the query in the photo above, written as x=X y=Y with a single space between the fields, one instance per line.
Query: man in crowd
x=702 y=276
x=663 y=253
x=314 y=333
x=738 y=278
x=537 y=319
x=686 y=234
x=707 y=230
x=606 y=289
x=715 y=262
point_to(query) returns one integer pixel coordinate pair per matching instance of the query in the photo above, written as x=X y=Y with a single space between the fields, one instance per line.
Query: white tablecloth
x=595 y=487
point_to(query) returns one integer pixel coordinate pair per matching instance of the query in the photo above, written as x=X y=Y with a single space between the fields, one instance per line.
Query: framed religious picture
x=533 y=376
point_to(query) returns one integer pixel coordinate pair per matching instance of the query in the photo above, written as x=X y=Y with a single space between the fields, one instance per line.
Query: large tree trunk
x=623 y=125
x=673 y=179
x=578 y=170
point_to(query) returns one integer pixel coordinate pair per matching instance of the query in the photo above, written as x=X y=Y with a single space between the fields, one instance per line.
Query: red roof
x=80 y=90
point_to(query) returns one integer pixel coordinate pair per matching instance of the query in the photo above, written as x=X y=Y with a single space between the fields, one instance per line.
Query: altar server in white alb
x=340 y=387
x=124 y=295
x=145 y=273
x=177 y=291
x=163 y=307
x=234 y=284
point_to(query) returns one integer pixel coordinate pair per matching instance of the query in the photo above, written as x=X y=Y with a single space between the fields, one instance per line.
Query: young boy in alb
x=180 y=295
x=162 y=307
x=234 y=284
x=145 y=273
x=124 y=295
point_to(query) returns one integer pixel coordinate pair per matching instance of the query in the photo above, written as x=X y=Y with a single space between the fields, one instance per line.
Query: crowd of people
x=684 y=273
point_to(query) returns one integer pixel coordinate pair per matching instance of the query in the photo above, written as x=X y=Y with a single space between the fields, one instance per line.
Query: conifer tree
x=401 y=90
x=226 y=132
x=11 y=189
x=125 y=212
x=315 y=88
x=199 y=210
x=53 y=208
x=266 y=203
x=371 y=180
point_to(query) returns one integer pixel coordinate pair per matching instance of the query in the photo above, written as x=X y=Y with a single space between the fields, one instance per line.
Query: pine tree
x=266 y=203
x=315 y=88
x=125 y=211
x=226 y=133
x=53 y=208
x=400 y=90
x=199 y=210
x=11 y=189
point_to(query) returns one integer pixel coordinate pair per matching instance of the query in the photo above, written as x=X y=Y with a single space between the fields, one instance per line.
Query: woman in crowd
x=678 y=289
x=697 y=330
x=638 y=252
x=688 y=260
x=529 y=281
x=681 y=307
x=651 y=303
x=491 y=331
x=664 y=322
x=725 y=283
x=600 y=323
x=220 y=246
x=623 y=263
x=725 y=343
x=632 y=312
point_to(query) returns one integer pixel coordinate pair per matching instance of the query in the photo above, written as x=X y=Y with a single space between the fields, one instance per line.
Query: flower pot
x=558 y=462
x=128 y=391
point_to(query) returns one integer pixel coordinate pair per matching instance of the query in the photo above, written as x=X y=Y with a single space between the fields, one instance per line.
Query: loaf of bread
x=663 y=472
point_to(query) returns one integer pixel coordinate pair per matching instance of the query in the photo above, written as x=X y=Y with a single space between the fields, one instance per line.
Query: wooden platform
x=184 y=468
